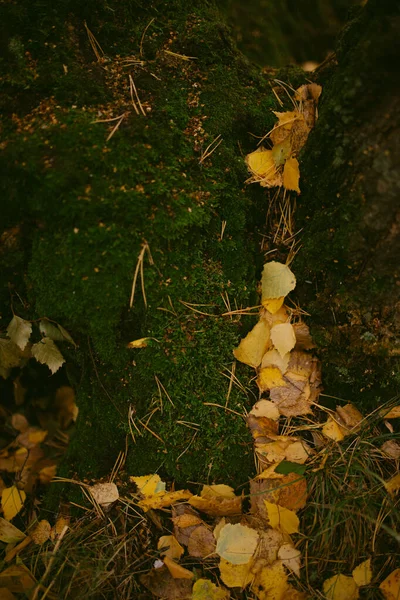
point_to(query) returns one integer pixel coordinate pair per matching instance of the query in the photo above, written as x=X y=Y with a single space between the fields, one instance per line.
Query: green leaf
x=286 y=467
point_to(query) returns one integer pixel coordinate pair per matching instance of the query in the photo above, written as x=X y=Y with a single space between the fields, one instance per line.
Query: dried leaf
x=282 y=518
x=268 y=378
x=177 y=571
x=393 y=484
x=235 y=575
x=163 y=499
x=362 y=574
x=294 y=399
x=281 y=152
x=161 y=583
x=12 y=501
x=169 y=546
x=291 y=175
x=237 y=543
x=204 y=589
x=65 y=406
x=272 y=358
x=265 y=408
x=349 y=416
x=269 y=473
x=10 y=356
x=41 y=533
x=217 y=529
x=186 y=520
x=303 y=337
x=55 y=332
x=47 y=353
x=17 y=578
x=104 y=494
x=262 y=167
x=293 y=493
x=253 y=347
x=390 y=587
x=393 y=413
x=290 y=557
x=5 y=594
x=9 y=533
x=32 y=437
x=148 y=485
x=140 y=343
x=221 y=491
x=19 y=331
x=201 y=542
x=333 y=430
x=271 y=583
x=391 y=448
x=47 y=473
x=19 y=422
x=267 y=551
x=283 y=338
x=340 y=587
x=282 y=129
x=273 y=304
x=277 y=280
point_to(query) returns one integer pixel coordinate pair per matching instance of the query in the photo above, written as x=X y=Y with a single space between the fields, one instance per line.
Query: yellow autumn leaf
x=333 y=430
x=221 y=490
x=140 y=343
x=340 y=587
x=272 y=358
x=282 y=129
x=282 y=517
x=362 y=574
x=393 y=484
x=268 y=378
x=390 y=587
x=235 y=575
x=204 y=589
x=393 y=413
x=281 y=152
x=19 y=579
x=265 y=408
x=273 y=304
x=253 y=347
x=177 y=571
x=269 y=473
x=12 y=501
x=277 y=280
x=9 y=533
x=162 y=499
x=237 y=543
x=36 y=437
x=169 y=546
x=218 y=527
x=291 y=175
x=148 y=485
x=283 y=338
x=261 y=163
x=271 y=582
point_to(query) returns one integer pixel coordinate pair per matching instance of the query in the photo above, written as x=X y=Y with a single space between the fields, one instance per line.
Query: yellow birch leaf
x=235 y=575
x=340 y=587
x=253 y=347
x=218 y=527
x=36 y=437
x=362 y=574
x=281 y=152
x=393 y=484
x=222 y=490
x=163 y=499
x=272 y=358
x=12 y=500
x=282 y=129
x=140 y=343
x=283 y=338
x=281 y=517
x=332 y=430
x=177 y=571
x=393 y=413
x=237 y=543
x=9 y=533
x=277 y=280
x=268 y=378
x=390 y=587
x=273 y=304
x=291 y=175
x=265 y=408
x=169 y=546
x=271 y=582
x=261 y=163
x=148 y=485
x=186 y=520
x=270 y=472
x=204 y=589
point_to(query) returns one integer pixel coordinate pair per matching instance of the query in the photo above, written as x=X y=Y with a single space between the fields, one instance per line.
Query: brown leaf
x=304 y=340
x=218 y=507
x=185 y=520
x=65 y=407
x=201 y=542
x=161 y=583
x=291 y=175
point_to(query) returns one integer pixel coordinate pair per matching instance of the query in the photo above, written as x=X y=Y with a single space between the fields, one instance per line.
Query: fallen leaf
x=272 y=358
x=201 y=542
x=271 y=583
x=265 y=408
x=65 y=406
x=269 y=473
x=47 y=473
x=148 y=485
x=262 y=166
x=5 y=594
x=17 y=578
x=161 y=583
x=390 y=587
x=291 y=175
x=41 y=533
x=281 y=152
x=299 y=134
x=267 y=551
x=277 y=280
x=294 y=398
x=217 y=529
x=19 y=331
x=308 y=90
x=333 y=430
x=10 y=356
x=282 y=517
x=262 y=429
x=393 y=484
x=283 y=338
x=269 y=377
x=303 y=337
x=221 y=491
x=162 y=499
x=349 y=416
x=204 y=589
x=140 y=343
x=55 y=332
x=340 y=587
x=391 y=448
x=169 y=546
x=282 y=129
x=362 y=574
x=9 y=533
x=32 y=437
x=394 y=413
x=177 y=571
x=235 y=575
x=186 y=520
x=237 y=543
x=12 y=501
x=104 y=494
x=19 y=422
x=47 y=353
x=253 y=347
x=293 y=493
x=273 y=304
x=290 y=557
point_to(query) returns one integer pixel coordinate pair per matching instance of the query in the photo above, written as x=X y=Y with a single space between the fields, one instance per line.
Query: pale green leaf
x=47 y=353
